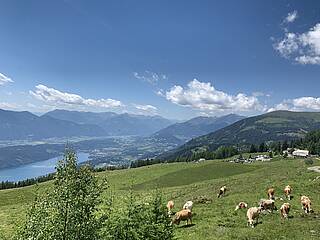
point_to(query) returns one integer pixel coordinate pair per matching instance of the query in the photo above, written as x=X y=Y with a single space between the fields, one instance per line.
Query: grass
x=214 y=220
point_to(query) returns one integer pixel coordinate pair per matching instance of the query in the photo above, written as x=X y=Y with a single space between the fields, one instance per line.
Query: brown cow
x=287 y=191
x=183 y=215
x=170 y=206
x=306 y=204
x=253 y=214
x=270 y=193
x=267 y=204
x=284 y=210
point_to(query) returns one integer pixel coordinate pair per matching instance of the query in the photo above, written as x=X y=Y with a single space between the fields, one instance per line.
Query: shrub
x=137 y=220
x=68 y=210
x=308 y=161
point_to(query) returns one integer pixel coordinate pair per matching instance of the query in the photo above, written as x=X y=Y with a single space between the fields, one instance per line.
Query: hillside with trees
x=266 y=128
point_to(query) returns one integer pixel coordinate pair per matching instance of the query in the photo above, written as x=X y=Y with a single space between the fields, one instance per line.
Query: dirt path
x=315 y=169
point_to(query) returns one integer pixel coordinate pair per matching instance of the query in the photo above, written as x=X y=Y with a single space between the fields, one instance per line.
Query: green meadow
x=213 y=218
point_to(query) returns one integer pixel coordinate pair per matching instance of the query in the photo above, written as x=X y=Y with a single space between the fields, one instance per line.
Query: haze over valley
x=122 y=137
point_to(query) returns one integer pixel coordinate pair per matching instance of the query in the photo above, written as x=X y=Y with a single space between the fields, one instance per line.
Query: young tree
x=68 y=209
x=285 y=145
x=139 y=220
x=262 y=147
x=253 y=148
x=270 y=154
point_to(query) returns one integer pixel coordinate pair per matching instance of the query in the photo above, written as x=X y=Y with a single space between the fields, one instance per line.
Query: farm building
x=300 y=153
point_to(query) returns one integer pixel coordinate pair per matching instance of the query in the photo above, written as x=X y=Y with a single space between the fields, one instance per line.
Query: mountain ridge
x=25 y=125
x=195 y=127
x=113 y=123
x=273 y=126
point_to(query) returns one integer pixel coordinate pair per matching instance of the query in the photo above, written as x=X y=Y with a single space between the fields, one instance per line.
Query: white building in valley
x=300 y=153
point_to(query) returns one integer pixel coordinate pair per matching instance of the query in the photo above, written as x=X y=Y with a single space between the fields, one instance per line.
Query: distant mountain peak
x=184 y=131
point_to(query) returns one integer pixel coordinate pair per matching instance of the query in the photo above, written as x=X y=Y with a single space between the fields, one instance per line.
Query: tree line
x=220 y=153
x=27 y=182
x=32 y=181
x=310 y=142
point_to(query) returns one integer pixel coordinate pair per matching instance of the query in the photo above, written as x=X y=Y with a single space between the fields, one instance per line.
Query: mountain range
x=115 y=124
x=62 y=123
x=25 y=125
x=195 y=127
x=273 y=126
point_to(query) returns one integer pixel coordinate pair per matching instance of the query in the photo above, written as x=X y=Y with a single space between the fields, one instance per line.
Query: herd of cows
x=252 y=213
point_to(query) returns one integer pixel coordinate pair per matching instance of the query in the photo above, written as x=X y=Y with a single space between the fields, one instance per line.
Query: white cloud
x=281 y=106
x=299 y=104
x=203 y=96
x=4 y=79
x=146 y=108
x=261 y=94
x=302 y=48
x=291 y=17
x=308 y=103
x=150 y=77
x=6 y=105
x=160 y=92
x=56 y=97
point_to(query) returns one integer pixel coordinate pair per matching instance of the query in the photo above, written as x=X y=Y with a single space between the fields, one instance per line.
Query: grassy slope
x=216 y=220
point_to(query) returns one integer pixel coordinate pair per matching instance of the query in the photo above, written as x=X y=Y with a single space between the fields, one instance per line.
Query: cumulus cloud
x=299 y=104
x=302 y=48
x=4 y=79
x=150 y=77
x=203 y=96
x=56 y=97
x=291 y=17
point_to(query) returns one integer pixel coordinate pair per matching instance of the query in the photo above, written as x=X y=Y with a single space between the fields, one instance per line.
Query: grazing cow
x=287 y=191
x=183 y=215
x=222 y=191
x=241 y=205
x=188 y=205
x=267 y=204
x=170 y=206
x=253 y=214
x=306 y=204
x=284 y=210
x=270 y=193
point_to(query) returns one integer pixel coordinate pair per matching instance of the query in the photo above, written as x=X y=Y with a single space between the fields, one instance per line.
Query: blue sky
x=178 y=59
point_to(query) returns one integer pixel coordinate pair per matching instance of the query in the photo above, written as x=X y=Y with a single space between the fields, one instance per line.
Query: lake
x=34 y=169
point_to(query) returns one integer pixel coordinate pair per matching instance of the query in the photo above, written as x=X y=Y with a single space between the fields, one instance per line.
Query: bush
x=308 y=161
x=137 y=220
x=68 y=210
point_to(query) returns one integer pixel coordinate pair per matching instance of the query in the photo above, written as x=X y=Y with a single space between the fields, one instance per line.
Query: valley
x=108 y=151
x=123 y=138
